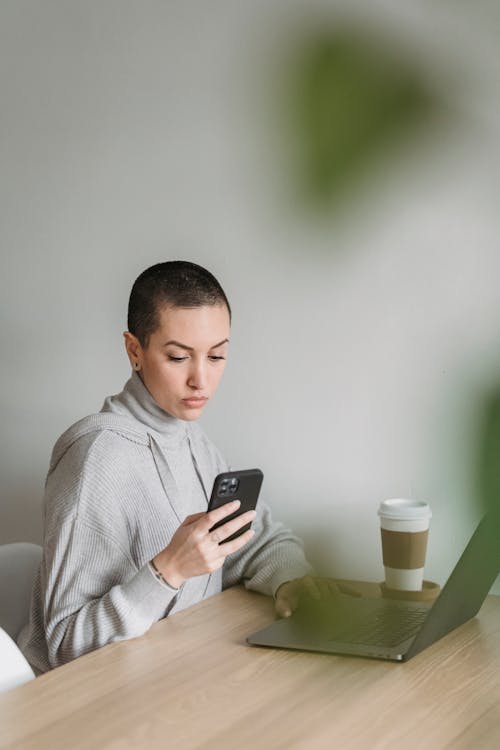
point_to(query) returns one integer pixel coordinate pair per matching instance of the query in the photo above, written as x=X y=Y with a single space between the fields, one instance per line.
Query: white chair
x=14 y=669
x=18 y=566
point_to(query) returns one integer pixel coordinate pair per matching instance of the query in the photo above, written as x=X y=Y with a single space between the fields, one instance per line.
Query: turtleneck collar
x=135 y=400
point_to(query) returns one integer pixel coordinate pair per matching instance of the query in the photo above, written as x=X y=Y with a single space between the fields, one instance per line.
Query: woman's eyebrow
x=190 y=348
x=225 y=341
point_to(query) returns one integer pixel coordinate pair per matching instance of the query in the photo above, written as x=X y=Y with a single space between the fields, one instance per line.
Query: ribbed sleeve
x=85 y=607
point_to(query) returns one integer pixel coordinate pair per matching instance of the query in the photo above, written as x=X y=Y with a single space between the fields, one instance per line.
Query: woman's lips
x=194 y=403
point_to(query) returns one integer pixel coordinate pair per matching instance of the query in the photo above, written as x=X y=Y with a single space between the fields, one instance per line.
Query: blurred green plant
x=349 y=99
x=488 y=479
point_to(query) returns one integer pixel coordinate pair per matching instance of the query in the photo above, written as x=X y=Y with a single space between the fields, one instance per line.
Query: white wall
x=137 y=132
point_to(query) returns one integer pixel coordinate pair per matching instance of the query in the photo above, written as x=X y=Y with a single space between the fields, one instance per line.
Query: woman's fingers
x=324 y=587
x=283 y=607
x=197 y=551
x=289 y=593
x=218 y=514
x=311 y=587
x=235 y=544
x=222 y=532
x=344 y=589
x=287 y=598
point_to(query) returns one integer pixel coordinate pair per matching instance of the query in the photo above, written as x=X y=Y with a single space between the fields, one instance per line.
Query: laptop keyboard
x=387 y=627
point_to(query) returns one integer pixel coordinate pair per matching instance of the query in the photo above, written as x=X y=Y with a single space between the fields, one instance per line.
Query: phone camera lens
x=228 y=486
x=223 y=487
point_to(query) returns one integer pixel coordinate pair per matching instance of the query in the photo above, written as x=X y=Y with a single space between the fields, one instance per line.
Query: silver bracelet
x=160 y=577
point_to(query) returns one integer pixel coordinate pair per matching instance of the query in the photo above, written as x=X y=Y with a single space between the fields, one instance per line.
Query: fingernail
x=237 y=503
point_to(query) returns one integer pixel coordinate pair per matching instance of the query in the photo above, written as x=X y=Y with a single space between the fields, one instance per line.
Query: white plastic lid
x=403 y=510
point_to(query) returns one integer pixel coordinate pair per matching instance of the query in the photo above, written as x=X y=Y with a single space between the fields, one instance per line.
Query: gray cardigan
x=119 y=484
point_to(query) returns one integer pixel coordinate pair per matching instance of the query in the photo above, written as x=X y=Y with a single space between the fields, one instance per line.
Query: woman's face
x=185 y=357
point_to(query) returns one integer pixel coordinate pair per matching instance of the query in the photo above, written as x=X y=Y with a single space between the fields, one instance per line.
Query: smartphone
x=236 y=485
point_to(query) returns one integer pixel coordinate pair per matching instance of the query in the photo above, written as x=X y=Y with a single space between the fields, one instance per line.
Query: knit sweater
x=120 y=483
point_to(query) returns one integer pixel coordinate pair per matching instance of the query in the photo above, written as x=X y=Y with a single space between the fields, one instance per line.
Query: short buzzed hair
x=178 y=283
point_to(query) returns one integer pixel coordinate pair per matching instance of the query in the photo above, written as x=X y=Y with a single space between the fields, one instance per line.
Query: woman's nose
x=197 y=376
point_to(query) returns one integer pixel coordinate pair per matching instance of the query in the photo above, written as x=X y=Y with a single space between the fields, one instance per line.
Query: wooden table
x=193 y=682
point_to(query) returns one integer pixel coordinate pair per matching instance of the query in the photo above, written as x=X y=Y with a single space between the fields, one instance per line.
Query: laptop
x=389 y=628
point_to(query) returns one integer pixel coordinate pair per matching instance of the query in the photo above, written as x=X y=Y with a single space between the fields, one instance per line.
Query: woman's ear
x=134 y=350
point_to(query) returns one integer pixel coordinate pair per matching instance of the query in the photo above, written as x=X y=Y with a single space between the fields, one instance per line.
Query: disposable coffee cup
x=404 y=526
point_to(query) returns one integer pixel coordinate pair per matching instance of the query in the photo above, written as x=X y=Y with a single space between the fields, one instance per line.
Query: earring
x=137 y=366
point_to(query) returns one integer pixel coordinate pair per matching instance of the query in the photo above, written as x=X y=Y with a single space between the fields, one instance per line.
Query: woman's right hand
x=195 y=551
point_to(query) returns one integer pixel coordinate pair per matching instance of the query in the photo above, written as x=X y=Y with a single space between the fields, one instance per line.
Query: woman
x=126 y=528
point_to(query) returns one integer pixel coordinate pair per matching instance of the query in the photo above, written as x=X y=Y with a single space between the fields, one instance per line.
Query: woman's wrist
x=166 y=570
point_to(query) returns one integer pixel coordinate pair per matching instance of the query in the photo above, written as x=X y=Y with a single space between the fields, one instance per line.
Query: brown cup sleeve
x=404 y=550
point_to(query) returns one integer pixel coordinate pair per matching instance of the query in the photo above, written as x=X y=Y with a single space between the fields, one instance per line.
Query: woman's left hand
x=288 y=595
